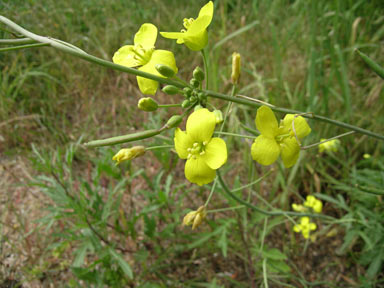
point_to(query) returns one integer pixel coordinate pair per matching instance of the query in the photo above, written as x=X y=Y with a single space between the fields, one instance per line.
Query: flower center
x=187 y=23
x=142 y=54
x=197 y=149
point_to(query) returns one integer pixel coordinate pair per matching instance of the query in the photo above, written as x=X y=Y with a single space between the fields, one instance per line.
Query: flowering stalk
x=75 y=51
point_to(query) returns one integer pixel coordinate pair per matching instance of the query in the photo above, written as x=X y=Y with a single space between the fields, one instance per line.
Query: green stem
x=23 y=47
x=254 y=182
x=211 y=193
x=205 y=60
x=124 y=138
x=169 y=105
x=291 y=111
x=225 y=209
x=234 y=134
x=75 y=52
x=19 y=41
x=78 y=53
x=159 y=147
x=262 y=211
x=229 y=106
x=327 y=140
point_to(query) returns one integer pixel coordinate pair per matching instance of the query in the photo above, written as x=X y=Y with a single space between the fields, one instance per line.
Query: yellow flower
x=204 y=154
x=195 y=218
x=332 y=145
x=366 y=156
x=305 y=227
x=314 y=203
x=143 y=55
x=275 y=140
x=128 y=154
x=195 y=35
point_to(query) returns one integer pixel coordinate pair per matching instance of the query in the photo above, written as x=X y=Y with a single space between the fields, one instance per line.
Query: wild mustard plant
x=204 y=154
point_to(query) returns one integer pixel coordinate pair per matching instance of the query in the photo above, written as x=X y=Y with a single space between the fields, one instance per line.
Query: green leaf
x=274 y=254
x=278 y=266
x=375 y=265
x=122 y=263
x=223 y=243
x=372 y=64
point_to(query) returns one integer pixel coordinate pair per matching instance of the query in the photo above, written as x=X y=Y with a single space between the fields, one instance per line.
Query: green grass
x=295 y=54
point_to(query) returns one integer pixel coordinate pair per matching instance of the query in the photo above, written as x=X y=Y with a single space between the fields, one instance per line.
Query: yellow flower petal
x=265 y=150
x=164 y=57
x=206 y=10
x=200 y=125
x=146 y=36
x=172 y=35
x=290 y=151
x=125 y=56
x=297 y=228
x=301 y=126
x=266 y=122
x=182 y=143
x=312 y=226
x=195 y=41
x=196 y=171
x=215 y=153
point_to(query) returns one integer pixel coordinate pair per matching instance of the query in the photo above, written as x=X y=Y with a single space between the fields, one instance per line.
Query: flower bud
x=185 y=103
x=165 y=70
x=194 y=82
x=218 y=116
x=128 y=154
x=235 y=68
x=174 y=121
x=195 y=218
x=198 y=74
x=171 y=90
x=147 y=104
x=201 y=96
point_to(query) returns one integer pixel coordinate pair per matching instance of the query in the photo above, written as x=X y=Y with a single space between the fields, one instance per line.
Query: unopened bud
x=165 y=70
x=195 y=218
x=147 y=104
x=194 y=82
x=235 y=68
x=128 y=154
x=171 y=90
x=218 y=116
x=185 y=103
x=198 y=74
x=174 y=121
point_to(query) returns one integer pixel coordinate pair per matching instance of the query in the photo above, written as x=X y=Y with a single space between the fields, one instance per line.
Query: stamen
x=202 y=152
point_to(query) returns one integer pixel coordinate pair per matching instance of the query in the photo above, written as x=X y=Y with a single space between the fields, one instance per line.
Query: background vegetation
x=70 y=218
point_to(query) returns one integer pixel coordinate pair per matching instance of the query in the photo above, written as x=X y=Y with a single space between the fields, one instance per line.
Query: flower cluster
x=277 y=139
x=331 y=145
x=305 y=227
x=311 y=202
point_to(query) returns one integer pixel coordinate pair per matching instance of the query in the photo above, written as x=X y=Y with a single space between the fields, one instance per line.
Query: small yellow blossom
x=305 y=227
x=204 y=154
x=314 y=203
x=310 y=202
x=128 y=154
x=366 y=156
x=195 y=218
x=195 y=35
x=331 y=145
x=278 y=139
x=143 y=55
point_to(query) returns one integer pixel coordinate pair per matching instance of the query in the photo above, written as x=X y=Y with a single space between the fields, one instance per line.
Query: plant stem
x=234 y=134
x=19 y=41
x=75 y=52
x=327 y=140
x=291 y=111
x=158 y=147
x=23 y=47
x=205 y=60
x=262 y=211
x=229 y=106
x=211 y=193
x=226 y=209
x=169 y=105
